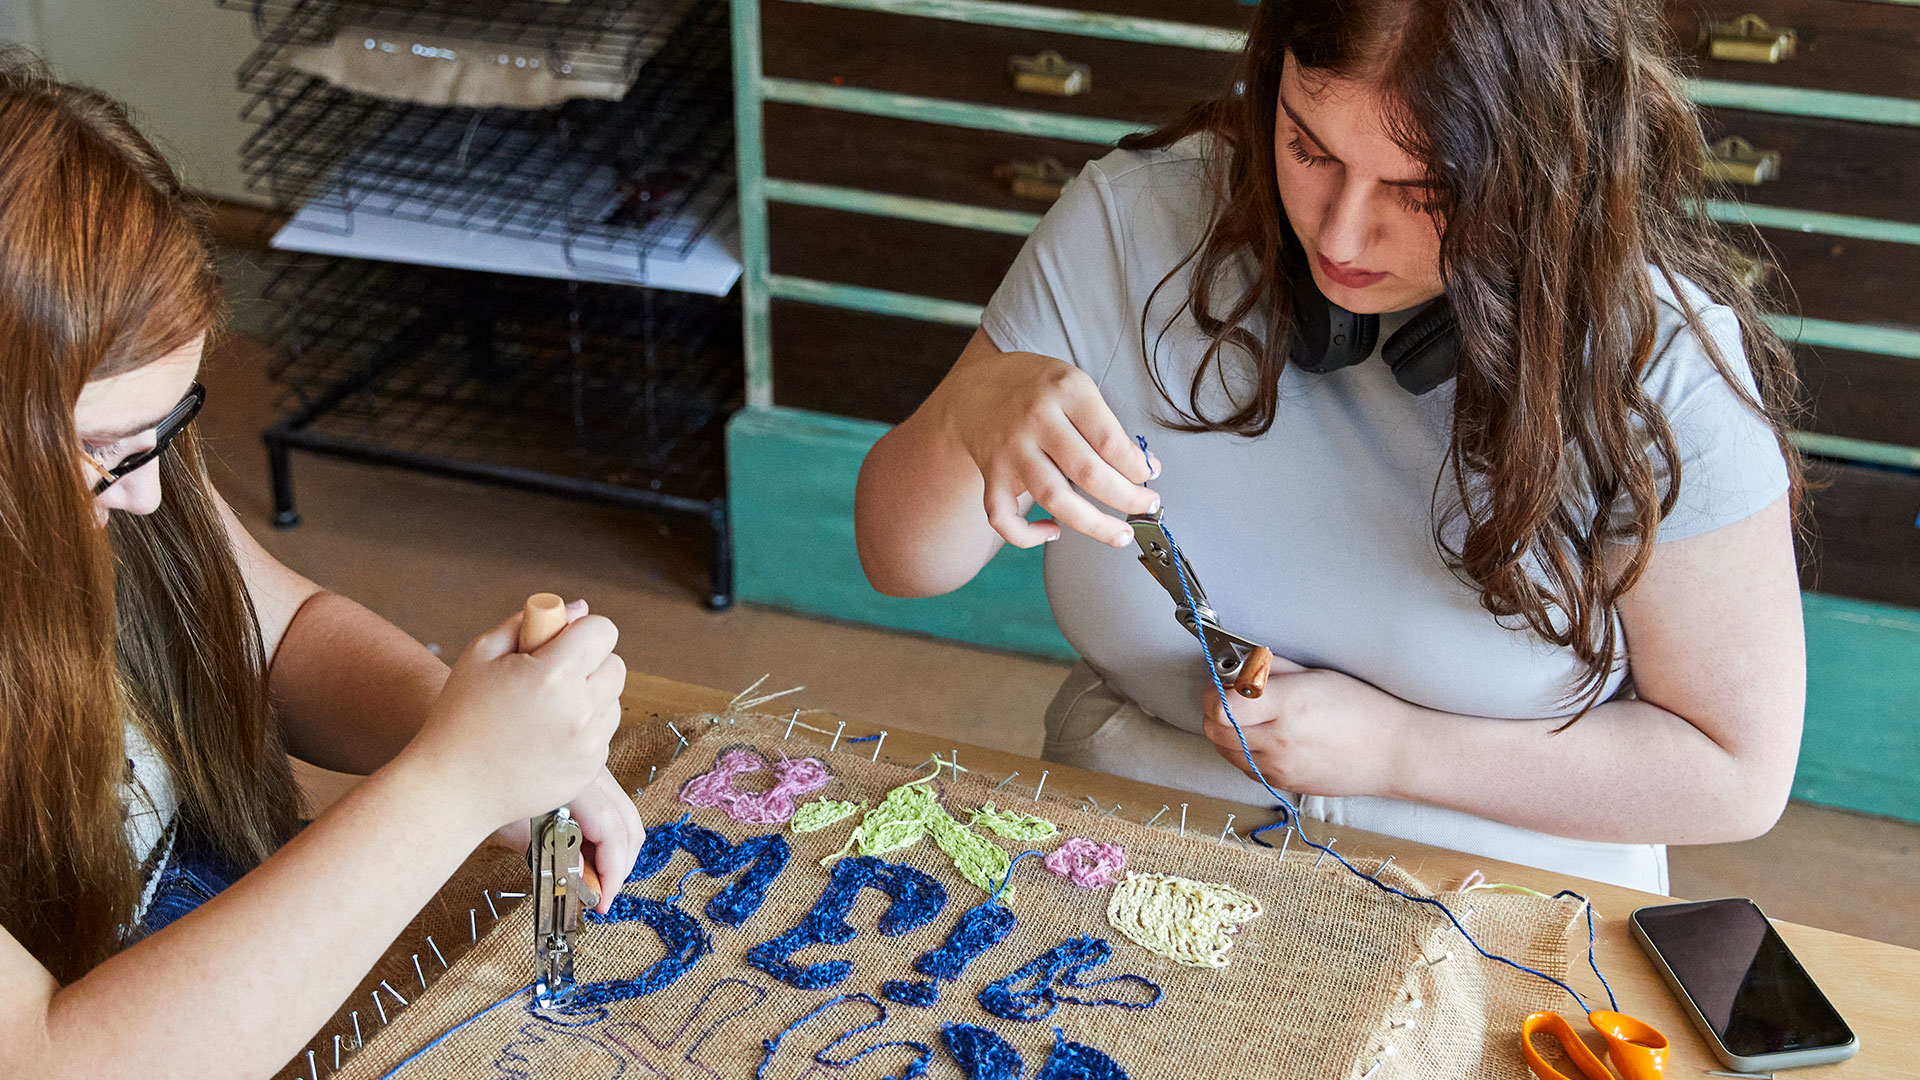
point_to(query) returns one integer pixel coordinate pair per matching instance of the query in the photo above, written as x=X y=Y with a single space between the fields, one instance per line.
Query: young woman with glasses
x=162 y=913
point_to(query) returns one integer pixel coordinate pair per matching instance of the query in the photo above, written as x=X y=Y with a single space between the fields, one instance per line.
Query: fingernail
x=1051 y=539
x=1153 y=464
x=1155 y=508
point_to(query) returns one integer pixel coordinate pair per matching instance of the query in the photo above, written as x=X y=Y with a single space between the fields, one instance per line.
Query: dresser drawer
x=1117 y=80
x=1835 y=166
x=1837 y=277
x=889 y=253
x=853 y=363
x=1860 y=395
x=1861 y=48
x=1233 y=14
x=1865 y=543
x=907 y=157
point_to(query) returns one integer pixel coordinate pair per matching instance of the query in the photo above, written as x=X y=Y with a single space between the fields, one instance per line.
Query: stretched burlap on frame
x=1331 y=980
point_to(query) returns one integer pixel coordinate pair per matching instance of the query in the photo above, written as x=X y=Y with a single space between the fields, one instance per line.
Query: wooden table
x=1873 y=984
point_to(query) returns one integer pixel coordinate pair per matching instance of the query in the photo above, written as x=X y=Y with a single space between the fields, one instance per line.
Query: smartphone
x=1742 y=985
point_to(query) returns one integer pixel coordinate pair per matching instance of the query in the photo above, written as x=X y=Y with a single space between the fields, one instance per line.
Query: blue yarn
x=761 y=857
x=1077 y=1061
x=1062 y=967
x=450 y=1033
x=1293 y=812
x=979 y=929
x=863 y=738
x=916 y=899
x=983 y=1055
x=686 y=941
x=914 y=1069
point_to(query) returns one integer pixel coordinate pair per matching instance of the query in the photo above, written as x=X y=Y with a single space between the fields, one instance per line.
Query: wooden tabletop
x=1872 y=984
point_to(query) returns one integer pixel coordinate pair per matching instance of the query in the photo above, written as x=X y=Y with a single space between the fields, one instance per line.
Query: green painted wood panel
x=1861 y=750
x=790 y=490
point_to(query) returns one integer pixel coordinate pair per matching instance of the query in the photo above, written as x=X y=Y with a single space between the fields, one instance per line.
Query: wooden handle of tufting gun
x=1253 y=674
x=540 y=622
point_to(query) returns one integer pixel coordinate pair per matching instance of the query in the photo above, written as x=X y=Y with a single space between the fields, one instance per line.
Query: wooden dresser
x=895 y=153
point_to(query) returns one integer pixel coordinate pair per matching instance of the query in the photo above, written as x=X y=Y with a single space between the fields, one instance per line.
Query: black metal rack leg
x=284 y=515
x=720 y=559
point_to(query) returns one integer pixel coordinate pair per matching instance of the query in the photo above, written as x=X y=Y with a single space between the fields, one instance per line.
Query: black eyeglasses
x=164 y=433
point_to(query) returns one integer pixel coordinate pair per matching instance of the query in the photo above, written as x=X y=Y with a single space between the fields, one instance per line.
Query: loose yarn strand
x=1293 y=812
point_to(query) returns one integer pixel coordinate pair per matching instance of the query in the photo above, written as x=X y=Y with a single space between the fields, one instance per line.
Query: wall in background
x=171 y=61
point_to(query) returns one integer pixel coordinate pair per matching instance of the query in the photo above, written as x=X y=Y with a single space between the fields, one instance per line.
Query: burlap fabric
x=1335 y=979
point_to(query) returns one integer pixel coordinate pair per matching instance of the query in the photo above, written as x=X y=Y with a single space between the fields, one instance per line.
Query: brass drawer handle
x=1051 y=74
x=1044 y=180
x=1733 y=160
x=1748 y=39
x=1753 y=272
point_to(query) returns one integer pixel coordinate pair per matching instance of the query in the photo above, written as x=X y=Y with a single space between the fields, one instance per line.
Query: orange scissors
x=1636 y=1047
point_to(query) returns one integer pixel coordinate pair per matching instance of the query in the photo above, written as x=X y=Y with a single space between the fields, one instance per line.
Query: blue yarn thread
x=984 y=1055
x=1063 y=966
x=450 y=1033
x=915 y=900
x=1293 y=812
x=685 y=939
x=761 y=857
x=913 y=1070
x=863 y=738
x=979 y=929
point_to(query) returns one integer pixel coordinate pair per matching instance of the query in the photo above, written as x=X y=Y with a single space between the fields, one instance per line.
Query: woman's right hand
x=517 y=734
x=1036 y=427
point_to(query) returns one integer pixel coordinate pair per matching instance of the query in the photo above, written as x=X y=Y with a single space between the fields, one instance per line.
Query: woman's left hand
x=612 y=829
x=1314 y=731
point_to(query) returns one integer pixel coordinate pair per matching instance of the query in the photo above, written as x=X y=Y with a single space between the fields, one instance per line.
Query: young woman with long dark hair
x=157 y=665
x=1531 y=570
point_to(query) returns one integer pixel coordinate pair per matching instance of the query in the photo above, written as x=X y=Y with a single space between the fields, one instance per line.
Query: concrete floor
x=446 y=560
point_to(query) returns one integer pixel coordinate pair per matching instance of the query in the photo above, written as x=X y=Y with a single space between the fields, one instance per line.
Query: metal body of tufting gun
x=1242 y=663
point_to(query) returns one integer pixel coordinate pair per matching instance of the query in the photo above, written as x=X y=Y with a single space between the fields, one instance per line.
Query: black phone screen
x=1742 y=978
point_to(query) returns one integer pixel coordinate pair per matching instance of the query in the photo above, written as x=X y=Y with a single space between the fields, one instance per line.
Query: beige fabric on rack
x=1321 y=985
x=432 y=69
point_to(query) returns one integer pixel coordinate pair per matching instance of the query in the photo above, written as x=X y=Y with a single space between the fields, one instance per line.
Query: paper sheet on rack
x=710 y=266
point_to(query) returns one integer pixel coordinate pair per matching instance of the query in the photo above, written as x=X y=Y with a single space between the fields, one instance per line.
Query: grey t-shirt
x=1315 y=538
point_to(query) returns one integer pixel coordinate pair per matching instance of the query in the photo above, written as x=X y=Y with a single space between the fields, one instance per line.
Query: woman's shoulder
x=1690 y=328
x=1158 y=196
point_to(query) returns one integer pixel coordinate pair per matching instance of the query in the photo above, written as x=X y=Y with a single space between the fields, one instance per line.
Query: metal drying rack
x=613 y=393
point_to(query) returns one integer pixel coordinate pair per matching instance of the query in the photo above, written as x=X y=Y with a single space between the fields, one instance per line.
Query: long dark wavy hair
x=1566 y=155
x=104 y=268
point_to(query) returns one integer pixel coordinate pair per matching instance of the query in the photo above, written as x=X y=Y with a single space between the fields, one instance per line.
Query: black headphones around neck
x=1328 y=337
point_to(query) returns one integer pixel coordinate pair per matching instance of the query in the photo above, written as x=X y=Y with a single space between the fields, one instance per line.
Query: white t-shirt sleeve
x=1730 y=464
x=1066 y=295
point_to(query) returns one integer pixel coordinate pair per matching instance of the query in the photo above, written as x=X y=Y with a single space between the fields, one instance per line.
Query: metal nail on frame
x=1183 y=819
x=473 y=924
x=396 y=994
x=1156 y=817
x=836 y=735
x=336 y=1053
x=1376 y=1068
x=417 y=973
x=1325 y=851
x=378 y=1004
x=436 y=952
x=791 y=720
x=1225 y=830
x=312 y=1069
x=877 y=746
x=1383 y=866
x=1112 y=810
x=956 y=766
x=1002 y=784
x=1285 y=839
x=494 y=910
x=358 y=1042
x=1042 y=786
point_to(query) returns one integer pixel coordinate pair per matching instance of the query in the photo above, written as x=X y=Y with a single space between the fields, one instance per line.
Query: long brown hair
x=103 y=268
x=1567 y=156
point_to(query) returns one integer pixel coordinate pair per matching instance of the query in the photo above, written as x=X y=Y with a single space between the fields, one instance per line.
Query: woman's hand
x=1035 y=427
x=1314 y=731
x=517 y=734
x=612 y=828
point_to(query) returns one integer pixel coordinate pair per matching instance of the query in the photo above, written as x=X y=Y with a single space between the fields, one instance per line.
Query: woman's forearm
x=918 y=515
x=233 y=989
x=350 y=687
x=1629 y=771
